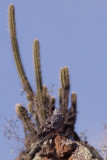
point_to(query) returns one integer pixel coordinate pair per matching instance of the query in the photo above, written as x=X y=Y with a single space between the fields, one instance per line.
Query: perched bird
x=53 y=125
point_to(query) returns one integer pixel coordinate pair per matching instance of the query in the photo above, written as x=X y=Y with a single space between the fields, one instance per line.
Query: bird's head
x=57 y=111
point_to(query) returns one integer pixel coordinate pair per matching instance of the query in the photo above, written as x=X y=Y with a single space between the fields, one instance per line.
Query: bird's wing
x=53 y=122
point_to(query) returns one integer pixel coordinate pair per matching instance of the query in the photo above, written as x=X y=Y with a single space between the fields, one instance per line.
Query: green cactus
x=74 y=100
x=30 y=107
x=41 y=104
x=37 y=67
x=25 y=83
x=22 y=113
x=48 y=102
x=19 y=65
x=74 y=107
x=52 y=104
x=64 y=77
x=32 y=110
x=64 y=90
x=61 y=98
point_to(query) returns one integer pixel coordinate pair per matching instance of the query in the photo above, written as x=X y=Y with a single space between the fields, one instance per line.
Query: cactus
x=61 y=98
x=52 y=104
x=32 y=110
x=41 y=105
x=37 y=67
x=74 y=105
x=70 y=114
x=22 y=113
x=64 y=90
x=64 y=77
x=48 y=102
x=19 y=65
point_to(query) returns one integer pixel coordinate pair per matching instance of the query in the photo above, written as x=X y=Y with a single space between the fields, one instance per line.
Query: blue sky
x=72 y=33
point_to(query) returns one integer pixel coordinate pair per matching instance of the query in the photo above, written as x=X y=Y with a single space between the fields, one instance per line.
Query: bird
x=53 y=125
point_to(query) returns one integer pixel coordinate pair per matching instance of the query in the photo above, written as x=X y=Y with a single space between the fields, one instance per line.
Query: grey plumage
x=52 y=125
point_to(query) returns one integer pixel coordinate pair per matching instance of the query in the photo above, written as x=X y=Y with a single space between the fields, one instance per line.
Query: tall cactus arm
x=48 y=102
x=52 y=104
x=33 y=112
x=72 y=111
x=23 y=115
x=73 y=107
x=64 y=76
x=38 y=76
x=70 y=119
x=16 y=53
x=64 y=90
x=37 y=66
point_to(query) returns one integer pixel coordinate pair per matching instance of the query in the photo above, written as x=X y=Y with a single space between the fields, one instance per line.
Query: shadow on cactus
x=41 y=105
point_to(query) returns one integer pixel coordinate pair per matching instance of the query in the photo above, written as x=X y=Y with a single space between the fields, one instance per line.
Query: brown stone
x=64 y=147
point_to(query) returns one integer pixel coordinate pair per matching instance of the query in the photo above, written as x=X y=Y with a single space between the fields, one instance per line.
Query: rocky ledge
x=62 y=148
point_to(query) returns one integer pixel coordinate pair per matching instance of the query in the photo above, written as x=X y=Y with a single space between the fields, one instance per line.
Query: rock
x=85 y=152
x=75 y=150
x=64 y=147
x=60 y=148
